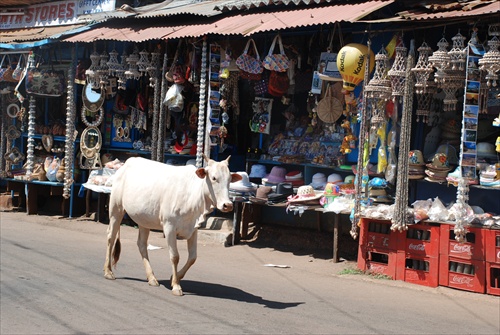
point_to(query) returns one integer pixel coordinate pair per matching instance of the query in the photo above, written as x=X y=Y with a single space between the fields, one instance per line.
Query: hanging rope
x=69 y=150
x=363 y=136
x=402 y=217
x=159 y=108
x=201 y=109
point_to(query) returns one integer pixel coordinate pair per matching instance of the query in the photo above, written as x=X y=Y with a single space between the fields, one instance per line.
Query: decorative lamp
x=120 y=72
x=91 y=73
x=143 y=62
x=397 y=73
x=133 y=72
x=351 y=62
x=113 y=63
x=422 y=69
x=491 y=59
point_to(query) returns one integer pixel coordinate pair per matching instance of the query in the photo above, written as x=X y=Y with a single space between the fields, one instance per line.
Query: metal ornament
x=120 y=72
x=422 y=69
x=143 y=61
x=92 y=100
x=13 y=110
x=379 y=88
x=103 y=70
x=397 y=73
x=201 y=109
x=491 y=59
x=153 y=68
x=133 y=72
x=91 y=73
x=90 y=146
x=113 y=63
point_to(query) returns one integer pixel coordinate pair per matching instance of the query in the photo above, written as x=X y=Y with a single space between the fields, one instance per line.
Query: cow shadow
x=219 y=291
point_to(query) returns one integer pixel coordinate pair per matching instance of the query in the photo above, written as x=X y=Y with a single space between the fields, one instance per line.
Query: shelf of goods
x=427 y=254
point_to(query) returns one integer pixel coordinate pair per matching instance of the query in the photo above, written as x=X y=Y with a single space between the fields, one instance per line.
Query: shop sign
x=53 y=13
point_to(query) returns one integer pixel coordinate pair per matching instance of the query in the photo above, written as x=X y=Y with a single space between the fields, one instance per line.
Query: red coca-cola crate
x=462 y=274
x=417 y=270
x=422 y=241
x=492 y=278
x=382 y=261
x=378 y=234
x=492 y=242
x=472 y=248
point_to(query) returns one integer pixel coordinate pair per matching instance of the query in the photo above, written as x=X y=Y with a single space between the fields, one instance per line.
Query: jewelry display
x=90 y=146
x=71 y=132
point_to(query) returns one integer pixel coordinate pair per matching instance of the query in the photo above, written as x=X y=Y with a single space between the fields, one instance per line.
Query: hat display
x=283 y=190
x=261 y=195
x=318 y=181
x=277 y=175
x=295 y=178
x=438 y=169
x=257 y=171
x=450 y=152
x=334 y=178
x=489 y=176
x=349 y=179
x=416 y=157
x=244 y=185
x=416 y=165
x=305 y=193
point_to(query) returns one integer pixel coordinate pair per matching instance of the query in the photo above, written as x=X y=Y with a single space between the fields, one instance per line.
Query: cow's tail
x=116 y=250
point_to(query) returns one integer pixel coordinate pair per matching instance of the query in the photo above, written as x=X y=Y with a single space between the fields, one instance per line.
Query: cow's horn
x=206 y=158
x=227 y=159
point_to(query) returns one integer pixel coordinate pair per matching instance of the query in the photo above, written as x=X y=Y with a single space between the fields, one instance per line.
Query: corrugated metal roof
x=234 y=5
x=35 y=33
x=470 y=8
x=248 y=24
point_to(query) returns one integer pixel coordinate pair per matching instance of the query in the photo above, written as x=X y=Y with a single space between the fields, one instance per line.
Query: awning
x=36 y=36
x=479 y=9
x=242 y=24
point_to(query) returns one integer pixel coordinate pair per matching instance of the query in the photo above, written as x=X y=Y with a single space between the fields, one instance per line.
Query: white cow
x=174 y=199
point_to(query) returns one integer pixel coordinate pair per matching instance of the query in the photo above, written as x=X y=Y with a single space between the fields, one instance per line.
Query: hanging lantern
x=113 y=63
x=351 y=64
x=422 y=69
x=91 y=73
x=143 y=62
x=397 y=73
x=491 y=59
x=133 y=72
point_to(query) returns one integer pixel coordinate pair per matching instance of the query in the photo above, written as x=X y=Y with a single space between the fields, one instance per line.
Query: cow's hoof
x=109 y=276
x=153 y=282
x=177 y=291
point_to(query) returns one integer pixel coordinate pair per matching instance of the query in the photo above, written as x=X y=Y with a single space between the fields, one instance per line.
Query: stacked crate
x=493 y=261
x=378 y=247
x=418 y=256
x=462 y=265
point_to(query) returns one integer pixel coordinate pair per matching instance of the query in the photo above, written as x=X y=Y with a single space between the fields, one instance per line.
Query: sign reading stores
x=54 y=13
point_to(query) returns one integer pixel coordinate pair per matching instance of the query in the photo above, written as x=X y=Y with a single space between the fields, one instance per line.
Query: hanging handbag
x=7 y=74
x=260 y=86
x=329 y=108
x=278 y=83
x=276 y=62
x=46 y=82
x=247 y=63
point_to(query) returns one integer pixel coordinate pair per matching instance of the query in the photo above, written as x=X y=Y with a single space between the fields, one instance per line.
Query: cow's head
x=218 y=177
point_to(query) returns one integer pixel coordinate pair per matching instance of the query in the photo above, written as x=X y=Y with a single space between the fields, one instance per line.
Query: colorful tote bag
x=276 y=62
x=248 y=63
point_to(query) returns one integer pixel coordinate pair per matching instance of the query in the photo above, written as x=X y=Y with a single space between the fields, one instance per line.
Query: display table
x=246 y=211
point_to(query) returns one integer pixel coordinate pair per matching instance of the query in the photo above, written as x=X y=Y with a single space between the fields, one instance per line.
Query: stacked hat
x=276 y=176
x=378 y=191
x=244 y=185
x=257 y=172
x=295 y=178
x=261 y=195
x=283 y=191
x=488 y=176
x=416 y=165
x=486 y=150
x=318 y=181
x=437 y=170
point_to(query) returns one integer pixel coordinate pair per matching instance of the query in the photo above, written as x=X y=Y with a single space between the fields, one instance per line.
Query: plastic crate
x=378 y=234
x=492 y=242
x=422 y=241
x=381 y=261
x=472 y=248
x=462 y=274
x=493 y=278
x=418 y=270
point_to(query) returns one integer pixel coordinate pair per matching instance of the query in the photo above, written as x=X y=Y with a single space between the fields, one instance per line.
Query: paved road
x=52 y=283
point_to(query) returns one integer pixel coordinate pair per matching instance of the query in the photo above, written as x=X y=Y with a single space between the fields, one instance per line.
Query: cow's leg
x=115 y=218
x=192 y=244
x=171 y=237
x=142 y=243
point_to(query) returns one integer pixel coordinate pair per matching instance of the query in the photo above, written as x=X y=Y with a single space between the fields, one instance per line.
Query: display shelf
x=55 y=138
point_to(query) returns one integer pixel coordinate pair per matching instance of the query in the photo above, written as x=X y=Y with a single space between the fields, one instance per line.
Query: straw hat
x=305 y=193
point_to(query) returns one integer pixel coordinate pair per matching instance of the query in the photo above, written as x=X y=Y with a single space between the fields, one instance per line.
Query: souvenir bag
x=17 y=73
x=247 y=63
x=44 y=82
x=260 y=86
x=278 y=83
x=329 y=108
x=7 y=74
x=276 y=62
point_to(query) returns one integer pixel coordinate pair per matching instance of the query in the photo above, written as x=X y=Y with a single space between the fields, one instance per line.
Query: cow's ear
x=235 y=177
x=201 y=173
